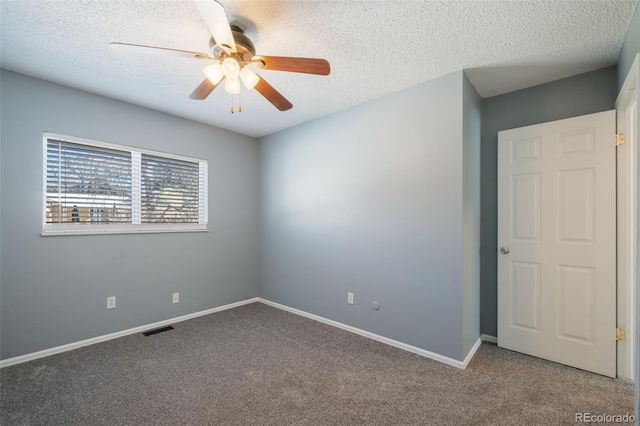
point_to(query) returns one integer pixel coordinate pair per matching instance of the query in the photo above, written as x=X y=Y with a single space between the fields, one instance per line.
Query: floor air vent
x=157 y=330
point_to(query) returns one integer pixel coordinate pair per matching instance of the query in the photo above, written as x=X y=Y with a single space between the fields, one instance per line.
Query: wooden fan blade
x=285 y=63
x=163 y=51
x=203 y=90
x=216 y=19
x=272 y=95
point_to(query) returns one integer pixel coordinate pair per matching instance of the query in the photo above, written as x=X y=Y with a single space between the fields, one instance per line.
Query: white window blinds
x=170 y=190
x=92 y=187
x=87 y=185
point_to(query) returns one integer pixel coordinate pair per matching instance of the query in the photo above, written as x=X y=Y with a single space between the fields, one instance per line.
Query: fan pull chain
x=239 y=104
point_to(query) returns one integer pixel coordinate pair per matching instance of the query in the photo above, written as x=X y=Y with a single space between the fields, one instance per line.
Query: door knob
x=504 y=249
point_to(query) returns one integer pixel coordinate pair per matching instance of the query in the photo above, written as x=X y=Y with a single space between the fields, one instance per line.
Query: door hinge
x=619 y=334
x=619 y=139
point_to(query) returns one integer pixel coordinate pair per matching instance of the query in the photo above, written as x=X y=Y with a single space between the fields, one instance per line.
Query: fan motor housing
x=244 y=46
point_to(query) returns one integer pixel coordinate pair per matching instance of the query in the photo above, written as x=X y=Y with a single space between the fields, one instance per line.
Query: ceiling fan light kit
x=232 y=85
x=230 y=67
x=214 y=73
x=232 y=52
x=249 y=78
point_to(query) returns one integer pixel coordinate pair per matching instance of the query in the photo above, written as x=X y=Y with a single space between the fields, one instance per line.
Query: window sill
x=54 y=231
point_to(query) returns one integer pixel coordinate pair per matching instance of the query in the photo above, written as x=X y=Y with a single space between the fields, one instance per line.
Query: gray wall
x=54 y=289
x=369 y=200
x=630 y=48
x=579 y=95
x=471 y=214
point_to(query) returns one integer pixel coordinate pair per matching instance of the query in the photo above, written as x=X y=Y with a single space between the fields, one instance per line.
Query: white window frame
x=54 y=229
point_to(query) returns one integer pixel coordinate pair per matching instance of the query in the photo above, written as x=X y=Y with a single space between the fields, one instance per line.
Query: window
x=93 y=188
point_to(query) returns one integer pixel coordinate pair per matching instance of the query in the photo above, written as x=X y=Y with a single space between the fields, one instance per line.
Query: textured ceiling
x=374 y=47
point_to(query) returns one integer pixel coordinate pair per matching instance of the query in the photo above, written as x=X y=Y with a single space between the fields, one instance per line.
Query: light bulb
x=232 y=85
x=249 y=78
x=230 y=67
x=214 y=73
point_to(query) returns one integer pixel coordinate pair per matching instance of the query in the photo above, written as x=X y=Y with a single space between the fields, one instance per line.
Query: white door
x=556 y=237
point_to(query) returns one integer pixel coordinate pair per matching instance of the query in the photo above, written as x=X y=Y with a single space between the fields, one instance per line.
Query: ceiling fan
x=232 y=52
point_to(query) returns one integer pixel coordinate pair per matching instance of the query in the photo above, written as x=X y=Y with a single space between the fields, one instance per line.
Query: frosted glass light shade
x=232 y=85
x=214 y=73
x=230 y=67
x=249 y=78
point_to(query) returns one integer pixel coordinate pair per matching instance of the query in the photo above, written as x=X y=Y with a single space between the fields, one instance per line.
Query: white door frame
x=627 y=106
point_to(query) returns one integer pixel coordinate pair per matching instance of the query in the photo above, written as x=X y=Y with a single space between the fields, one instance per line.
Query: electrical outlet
x=350 y=298
x=111 y=302
x=176 y=297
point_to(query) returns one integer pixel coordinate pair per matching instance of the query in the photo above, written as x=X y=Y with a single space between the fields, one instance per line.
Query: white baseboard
x=472 y=352
x=423 y=352
x=489 y=338
x=75 y=345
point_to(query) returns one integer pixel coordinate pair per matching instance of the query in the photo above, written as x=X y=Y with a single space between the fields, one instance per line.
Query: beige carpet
x=257 y=365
